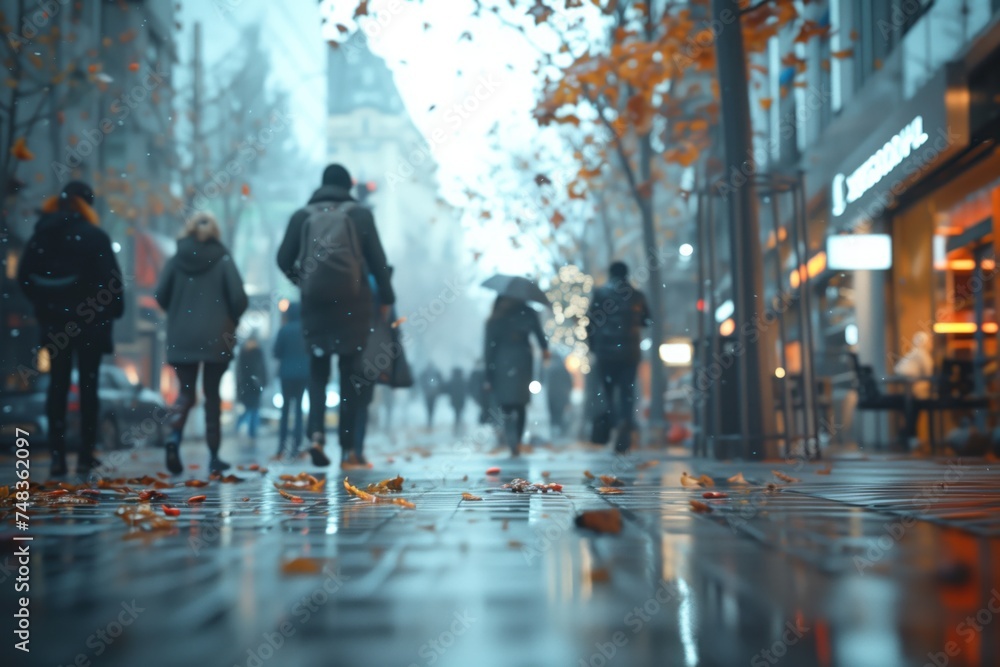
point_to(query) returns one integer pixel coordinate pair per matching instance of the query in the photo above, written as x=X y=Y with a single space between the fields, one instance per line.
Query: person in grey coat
x=510 y=363
x=202 y=293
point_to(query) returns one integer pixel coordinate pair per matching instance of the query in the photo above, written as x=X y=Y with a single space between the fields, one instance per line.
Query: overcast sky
x=436 y=66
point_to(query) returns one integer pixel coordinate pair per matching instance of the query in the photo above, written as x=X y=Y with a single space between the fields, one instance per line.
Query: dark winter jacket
x=69 y=273
x=202 y=293
x=508 y=355
x=617 y=314
x=477 y=378
x=290 y=347
x=347 y=329
x=251 y=375
x=558 y=384
x=457 y=390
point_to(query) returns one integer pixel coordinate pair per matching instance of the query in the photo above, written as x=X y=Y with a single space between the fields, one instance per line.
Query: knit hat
x=336 y=174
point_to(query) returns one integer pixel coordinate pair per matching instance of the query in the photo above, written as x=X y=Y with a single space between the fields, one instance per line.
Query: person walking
x=202 y=293
x=251 y=377
x=69 y=273
x=329 y=248
x=558 y=386
x=293 y=373
x=432 y=386
x=477 y=390
x=617 y=314
x=457 y=392
x=510 y=363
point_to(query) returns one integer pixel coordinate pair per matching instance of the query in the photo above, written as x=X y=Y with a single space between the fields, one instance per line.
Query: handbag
x=385 y=353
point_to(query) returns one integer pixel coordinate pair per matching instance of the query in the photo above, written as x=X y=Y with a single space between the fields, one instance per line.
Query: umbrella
x=517 y=287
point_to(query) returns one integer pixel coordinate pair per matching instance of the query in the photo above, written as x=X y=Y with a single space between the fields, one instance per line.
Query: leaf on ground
x=387 y=486
x=825 y=471
x=689 y=481
x=699 y=507
x=588 y=474
x=783 y=477
x=706 y=480
x=515 y=544
x=197 y=483
x=714 y=495
x=298 y=566
x=611 y=480
x=737 y=479
x=288 y=496
x=601 y=521
x=647 y=464
x=469 y=496
x=495 y=470
x=610 y=491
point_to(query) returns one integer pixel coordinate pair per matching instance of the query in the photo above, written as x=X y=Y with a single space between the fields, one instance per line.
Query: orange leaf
x=20 y=150
x=843 y=53
x=469 y=496
x=557 y=219
x=245 y=190
x=133 y=67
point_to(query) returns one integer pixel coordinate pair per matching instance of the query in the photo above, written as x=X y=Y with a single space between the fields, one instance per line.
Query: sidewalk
x=827 y=570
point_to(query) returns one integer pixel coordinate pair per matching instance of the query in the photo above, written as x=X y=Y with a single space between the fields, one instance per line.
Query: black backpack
x=330 y=266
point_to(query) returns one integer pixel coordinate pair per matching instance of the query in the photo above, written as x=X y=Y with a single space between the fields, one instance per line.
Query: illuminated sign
x=849 y=189
x=859 y=252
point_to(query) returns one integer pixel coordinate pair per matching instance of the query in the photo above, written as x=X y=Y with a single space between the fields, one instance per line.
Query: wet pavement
x=878 y=562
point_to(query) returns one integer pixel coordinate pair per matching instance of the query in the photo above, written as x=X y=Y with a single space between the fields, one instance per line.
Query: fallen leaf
x=288 y=496
x=600 y=521
x=302 y=566
x=588 y=474
x=700 y=507
x=611 y=480
x=469 y=496
x=689 y=481
x=195 y=483
x=610 y=491
x=706 y=480
x=714 y=494
x=197 y=499
x=493 y=471
x=171 y=511
x=737 y=479
x=825 y=471
x=783 y=477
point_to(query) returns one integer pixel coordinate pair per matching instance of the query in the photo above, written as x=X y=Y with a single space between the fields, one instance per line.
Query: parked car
x=130 y=413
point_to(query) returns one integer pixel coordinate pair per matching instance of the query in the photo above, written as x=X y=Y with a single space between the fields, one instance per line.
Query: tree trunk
x=654 y=288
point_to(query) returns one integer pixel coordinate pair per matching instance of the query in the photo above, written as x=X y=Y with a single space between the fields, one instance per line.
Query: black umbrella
x=517 y=287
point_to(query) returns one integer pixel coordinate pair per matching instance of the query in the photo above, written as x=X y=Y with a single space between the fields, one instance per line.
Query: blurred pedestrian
x=477 y=390
x=251 y=378
x=432 y=386
x=617 y=314
x=329 y=248
x=510 y=363
x=293 y=373
x=558 y=386
x=457 y=393
x=918 y=366
x=69 y=272
x=202 y=293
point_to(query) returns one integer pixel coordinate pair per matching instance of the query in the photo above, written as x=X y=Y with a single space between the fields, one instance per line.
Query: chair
x=953 y=389
x=870 y=397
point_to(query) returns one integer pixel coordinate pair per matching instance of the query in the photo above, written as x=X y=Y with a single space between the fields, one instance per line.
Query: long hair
x=203 y=227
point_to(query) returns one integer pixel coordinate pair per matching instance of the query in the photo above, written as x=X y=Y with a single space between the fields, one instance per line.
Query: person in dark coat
x=617 y=314
x=510 y=363
x=293 y=372
x=251 y=378
x=477 y=390
x=69 y=273
x=337 y=328
x=457 y=392
x=558 y=386
x=202 y=293
x=432 y=386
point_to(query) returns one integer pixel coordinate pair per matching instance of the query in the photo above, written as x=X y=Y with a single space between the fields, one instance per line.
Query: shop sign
x=850 y=188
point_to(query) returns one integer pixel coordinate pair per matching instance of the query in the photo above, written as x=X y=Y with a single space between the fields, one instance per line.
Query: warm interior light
x=961 y=265
x=728 y=327
x=283 y=305
x=990 y=327
x=817 y=264
x=779 y=372
x=676 y=353
x=955 y=327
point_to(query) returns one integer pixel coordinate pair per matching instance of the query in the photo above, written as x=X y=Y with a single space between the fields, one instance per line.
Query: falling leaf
x=700 y=507
x=245 y=190
x=133 y=67
x=20 y=150
x=765 y=103
x=362 y=9
x=601 y=521
x=469 y=496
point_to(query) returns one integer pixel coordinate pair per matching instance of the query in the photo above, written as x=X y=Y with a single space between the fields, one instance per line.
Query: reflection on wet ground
x=879 y=562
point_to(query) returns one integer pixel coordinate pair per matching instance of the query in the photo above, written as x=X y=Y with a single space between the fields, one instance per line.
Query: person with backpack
x=202 y=293
x=293 y=372
x=510 y=363
x=251 y=377
x=329 y=248
x=69 y=273
x=617 y=314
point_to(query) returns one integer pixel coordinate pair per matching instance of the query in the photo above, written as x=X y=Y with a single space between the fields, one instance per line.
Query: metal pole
x=756 y=401
x=699 y=404
x=782 y=338
x=713 y=328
